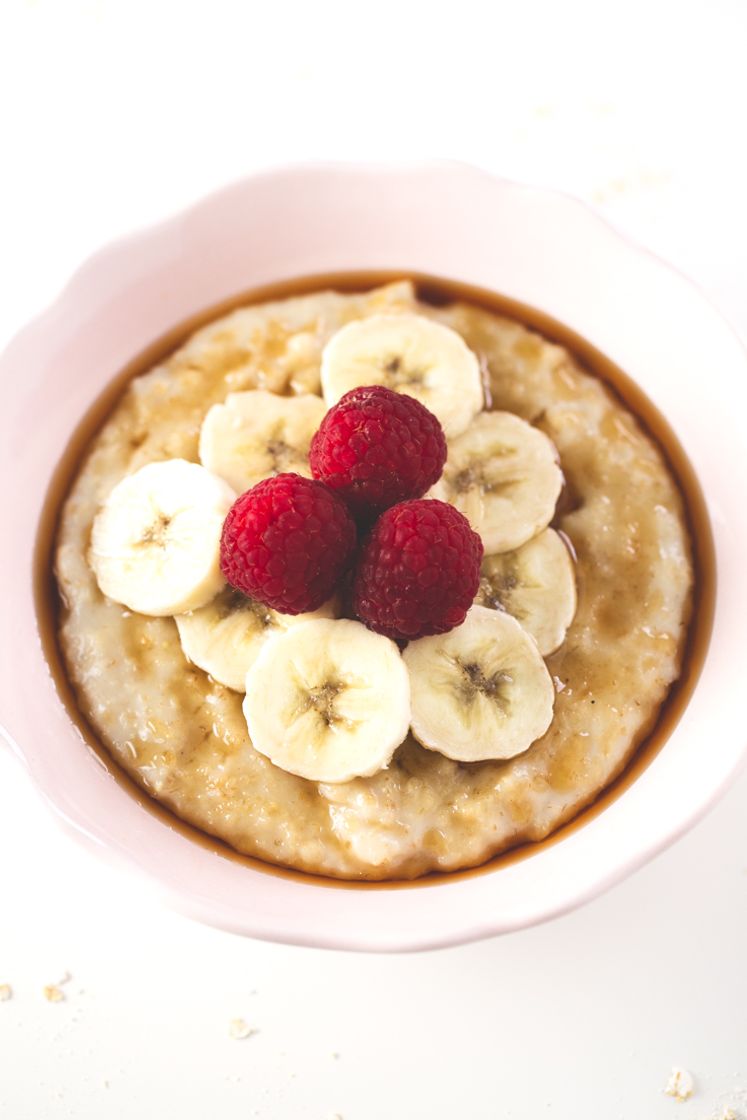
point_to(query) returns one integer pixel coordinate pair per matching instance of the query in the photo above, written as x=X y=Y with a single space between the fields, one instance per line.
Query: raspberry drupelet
x=418 y=570
x=376 y=447
x=286 y=542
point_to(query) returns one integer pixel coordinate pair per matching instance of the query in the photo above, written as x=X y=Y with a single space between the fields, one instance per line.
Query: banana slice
x=536 y=584
x=224 y=638
x=412 y=355
x=257 y=434
x=155 y=543
x=328 y=700
x=503 y=475
x=480 y=691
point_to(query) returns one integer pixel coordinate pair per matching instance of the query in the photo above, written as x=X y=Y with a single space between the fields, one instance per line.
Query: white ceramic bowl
x=541 y=248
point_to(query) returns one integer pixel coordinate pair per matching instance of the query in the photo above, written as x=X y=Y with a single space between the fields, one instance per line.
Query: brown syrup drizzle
x=437 y=292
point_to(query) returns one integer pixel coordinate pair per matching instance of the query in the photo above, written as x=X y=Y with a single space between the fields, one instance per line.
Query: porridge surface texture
x=183 y=737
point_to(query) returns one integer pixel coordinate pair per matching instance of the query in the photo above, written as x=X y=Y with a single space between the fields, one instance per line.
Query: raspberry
x=376 y=447
x=418 y=571
x=286 y=542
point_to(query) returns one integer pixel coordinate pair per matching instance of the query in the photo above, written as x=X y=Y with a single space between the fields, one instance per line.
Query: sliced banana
x=155 y=543
x=328 y=700
x=480 y=691
x=256 y=434
x=411 y=354
x=225 y=637
x=503 y=475
x=536 y=584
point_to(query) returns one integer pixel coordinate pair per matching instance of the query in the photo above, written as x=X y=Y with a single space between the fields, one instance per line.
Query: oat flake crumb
x=239 y=1028
x=6 y=992
x=727 y=1114
x=53 y=993
x=680 y=1084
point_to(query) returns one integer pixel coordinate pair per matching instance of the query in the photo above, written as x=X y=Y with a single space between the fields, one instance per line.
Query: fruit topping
x=155 y=541
x=328 y=700
x=376 y=447
x=418 y=570
x=481 y=691
x=410 y=354
x=287 y=542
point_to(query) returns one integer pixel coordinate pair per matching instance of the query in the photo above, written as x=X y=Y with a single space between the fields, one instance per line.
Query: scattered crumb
x=106 y=1084
x=239 y=1028
x=54 y=992
x=335 y=1054
x=680 y=1084
x=6 y=992
x=732 y=1105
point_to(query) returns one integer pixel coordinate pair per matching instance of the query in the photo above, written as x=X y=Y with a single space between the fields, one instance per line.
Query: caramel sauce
x=437 y=292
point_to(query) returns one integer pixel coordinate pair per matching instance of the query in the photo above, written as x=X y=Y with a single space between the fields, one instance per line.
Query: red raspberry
x=286 y=543
x=418 y=571
x=376 y=447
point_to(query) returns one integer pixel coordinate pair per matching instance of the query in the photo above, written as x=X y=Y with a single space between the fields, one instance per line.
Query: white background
x=111 y=116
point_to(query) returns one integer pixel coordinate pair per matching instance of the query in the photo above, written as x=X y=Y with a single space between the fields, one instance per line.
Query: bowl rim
x=213 y=197
x=79 y=283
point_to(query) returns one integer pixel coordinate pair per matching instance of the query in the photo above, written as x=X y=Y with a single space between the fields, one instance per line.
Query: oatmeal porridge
x=587 y=572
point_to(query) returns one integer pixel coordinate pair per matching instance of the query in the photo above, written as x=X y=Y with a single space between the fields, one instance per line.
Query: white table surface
x=112 y=115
